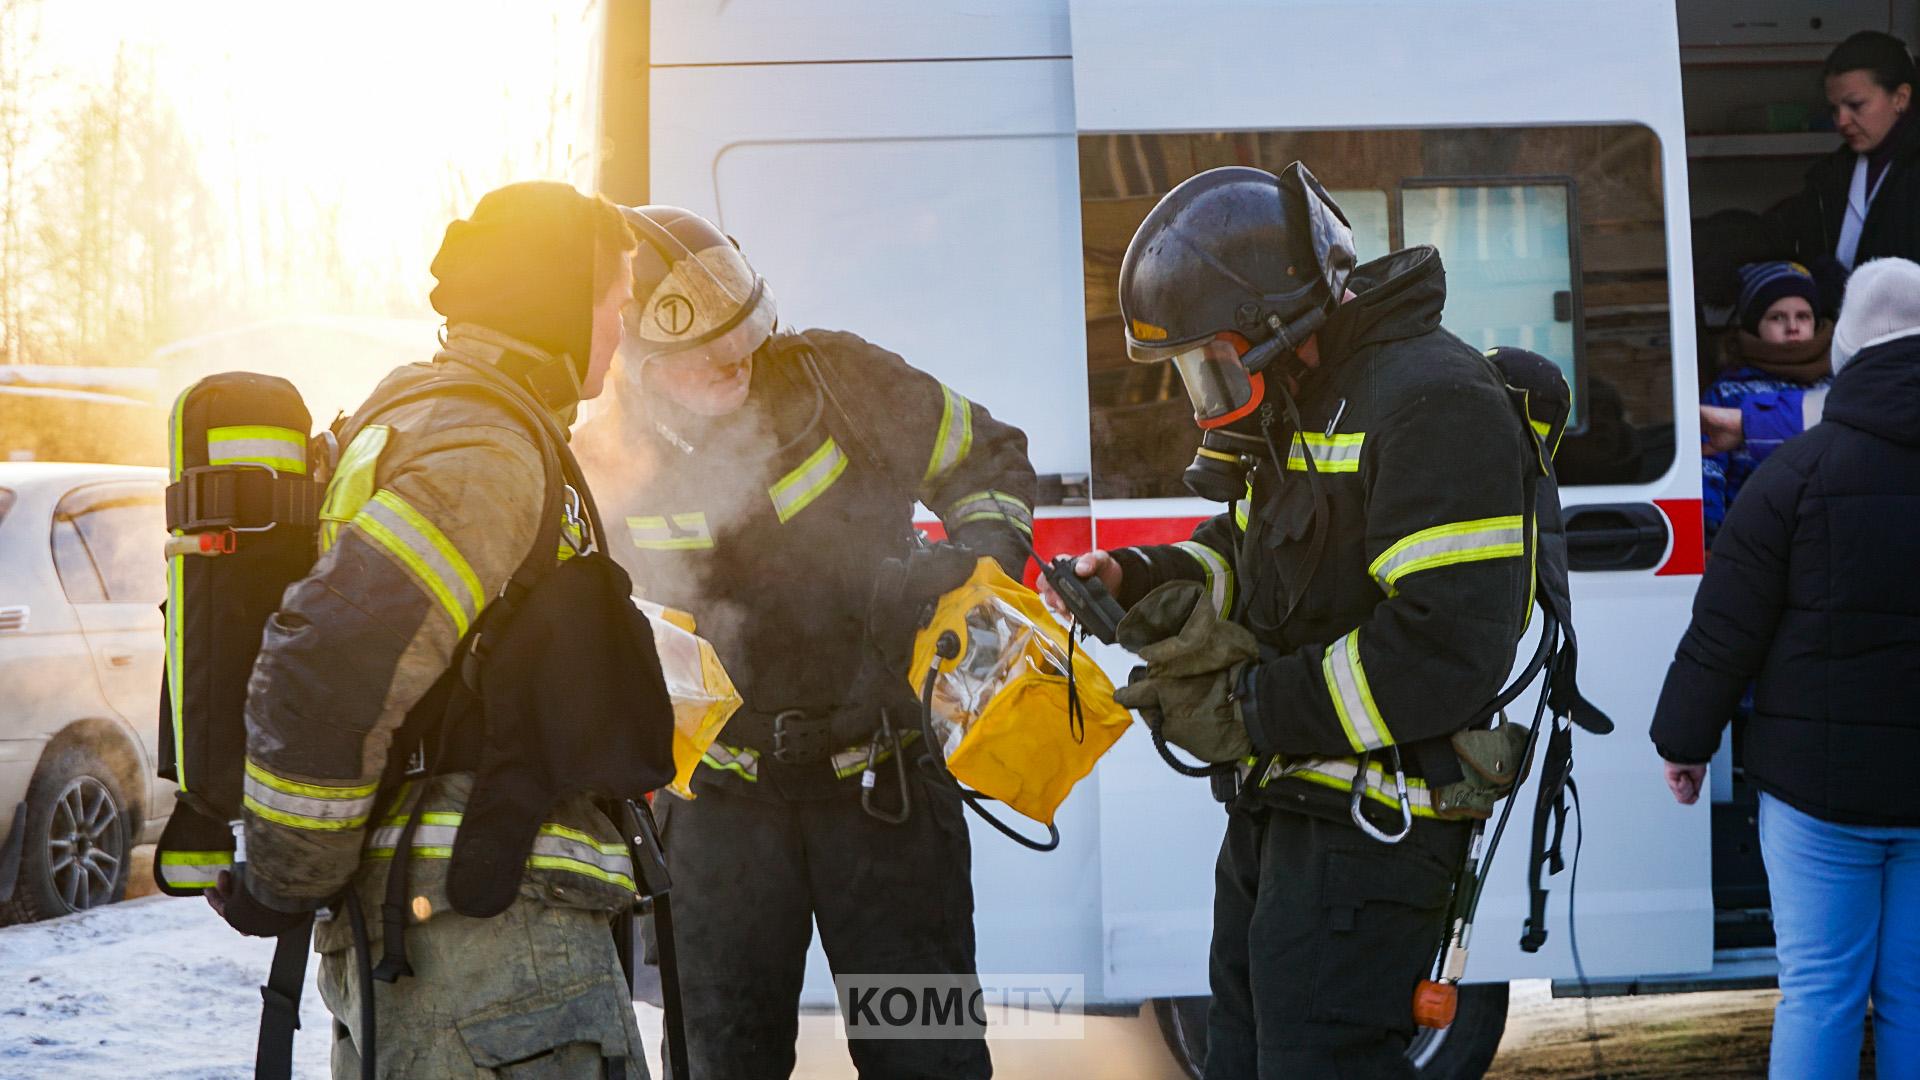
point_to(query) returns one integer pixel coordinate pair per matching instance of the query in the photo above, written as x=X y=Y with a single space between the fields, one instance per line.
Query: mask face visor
x=1217 y=383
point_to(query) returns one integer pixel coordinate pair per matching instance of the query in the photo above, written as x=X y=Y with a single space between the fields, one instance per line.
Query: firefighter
x=434 y=504
x=766 y=477
x=1374 y=561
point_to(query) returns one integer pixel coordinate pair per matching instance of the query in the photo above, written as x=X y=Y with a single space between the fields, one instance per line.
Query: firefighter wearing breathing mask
x=1359 y=601
x=766 y=479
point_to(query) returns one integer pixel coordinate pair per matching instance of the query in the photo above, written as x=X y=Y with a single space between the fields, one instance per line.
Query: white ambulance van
x=957 y=180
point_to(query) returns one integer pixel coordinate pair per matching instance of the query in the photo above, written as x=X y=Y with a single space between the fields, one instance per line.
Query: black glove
x=232 y=902
x=905 y=592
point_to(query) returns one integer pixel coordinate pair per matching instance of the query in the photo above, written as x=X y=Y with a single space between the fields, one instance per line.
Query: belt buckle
x=789 y=748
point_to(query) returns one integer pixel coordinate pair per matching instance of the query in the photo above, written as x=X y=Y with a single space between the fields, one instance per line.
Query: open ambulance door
x=1541 y=148
x=931 y=206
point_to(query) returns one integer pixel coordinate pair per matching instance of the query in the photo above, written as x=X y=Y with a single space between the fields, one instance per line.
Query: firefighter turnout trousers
x=1320 y=935
x=753 y=873
x=535 y=991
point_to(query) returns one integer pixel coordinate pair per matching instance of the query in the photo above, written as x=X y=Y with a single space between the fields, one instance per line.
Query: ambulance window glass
x=124 y=529
x=1554 y=239
x=74 y=565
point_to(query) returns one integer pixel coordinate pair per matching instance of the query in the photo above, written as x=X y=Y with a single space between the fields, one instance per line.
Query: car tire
x=79 y=839
x=1462 y=1051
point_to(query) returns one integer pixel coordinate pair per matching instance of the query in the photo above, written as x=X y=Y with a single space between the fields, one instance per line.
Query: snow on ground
x=152 y=987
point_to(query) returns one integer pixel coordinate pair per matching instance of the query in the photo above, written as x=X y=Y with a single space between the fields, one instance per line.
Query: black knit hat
x=523 y=265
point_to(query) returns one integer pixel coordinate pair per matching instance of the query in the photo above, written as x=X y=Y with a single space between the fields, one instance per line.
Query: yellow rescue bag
x=704 y=698
x=1001 y=710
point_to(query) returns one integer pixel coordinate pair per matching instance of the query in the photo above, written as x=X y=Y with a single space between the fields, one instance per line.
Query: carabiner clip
x=1360 y=779
x=869 y=777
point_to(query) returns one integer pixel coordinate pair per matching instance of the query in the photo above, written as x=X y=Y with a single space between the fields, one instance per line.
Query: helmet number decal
x=674 y=313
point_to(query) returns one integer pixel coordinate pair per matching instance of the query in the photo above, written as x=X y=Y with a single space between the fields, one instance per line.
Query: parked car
x=81 y=650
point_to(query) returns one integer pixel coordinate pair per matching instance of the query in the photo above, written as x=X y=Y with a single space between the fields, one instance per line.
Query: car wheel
x=78 y=839
x=1461 y=1051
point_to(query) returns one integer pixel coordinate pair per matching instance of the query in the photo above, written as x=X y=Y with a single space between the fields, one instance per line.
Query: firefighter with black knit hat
x=767 y=479
x=1361 y=600
x=434 y=503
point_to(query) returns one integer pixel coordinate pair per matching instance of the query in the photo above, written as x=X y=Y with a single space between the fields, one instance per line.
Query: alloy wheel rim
x=86 y=844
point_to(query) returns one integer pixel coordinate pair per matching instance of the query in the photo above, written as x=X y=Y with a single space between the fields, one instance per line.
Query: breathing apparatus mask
x=1228 y=276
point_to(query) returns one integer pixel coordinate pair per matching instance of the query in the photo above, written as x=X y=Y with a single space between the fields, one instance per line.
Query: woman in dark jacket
x=1862 y=201
x=1814 y=589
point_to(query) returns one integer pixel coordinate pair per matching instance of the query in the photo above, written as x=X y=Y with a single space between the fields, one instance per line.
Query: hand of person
x=1685 y=781
x=241 y=911
x=1721 y=430
x=1093 y=564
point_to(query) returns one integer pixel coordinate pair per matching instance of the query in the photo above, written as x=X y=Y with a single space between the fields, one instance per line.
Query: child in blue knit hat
x=1772 y=383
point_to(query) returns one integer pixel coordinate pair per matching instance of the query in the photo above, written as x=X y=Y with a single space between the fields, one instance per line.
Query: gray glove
x=1194 y=659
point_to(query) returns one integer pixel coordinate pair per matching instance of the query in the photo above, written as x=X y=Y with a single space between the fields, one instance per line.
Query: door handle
x=1615 y=536
x=116 y=658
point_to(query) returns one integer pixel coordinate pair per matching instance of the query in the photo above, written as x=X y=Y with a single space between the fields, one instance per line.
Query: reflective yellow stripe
x=1219 y=574
x=992 y=506
x=1331 y=454
x=281 y=448
x=555 y=847
x=741 y=761
x=176 y=605
x=680 y=532
x=306 y=790
x=1241 y=506
x=300 y=805
x=1448 y=545
x=1339 y=774
x=954 y=439
x=797 y=490
x=192 y=869
x=1352 y=697
x=352 y=483
x=423 y=549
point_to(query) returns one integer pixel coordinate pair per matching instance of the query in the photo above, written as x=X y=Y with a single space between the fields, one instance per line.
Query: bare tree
x=19 y=81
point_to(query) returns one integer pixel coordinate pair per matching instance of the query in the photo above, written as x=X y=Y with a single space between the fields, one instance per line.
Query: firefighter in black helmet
x=765 y=476
x=1374 y=547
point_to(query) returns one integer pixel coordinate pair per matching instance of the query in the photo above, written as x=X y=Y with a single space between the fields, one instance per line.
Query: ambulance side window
x=1553 y=239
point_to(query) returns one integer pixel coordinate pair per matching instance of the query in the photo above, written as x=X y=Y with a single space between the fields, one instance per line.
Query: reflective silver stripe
x=734 y=759
x=423 y=549
x=676 y=532
x=611 y=861
x=192 y=869
x=992 y=506
x=1352 y=698
x=384 y=839
x=282 y=449
x=954 y=440
x=799 y=488
x=1340 y=772
x=1337 y=453
x=1448 y=545
x=1219 y=574
x=305 y=806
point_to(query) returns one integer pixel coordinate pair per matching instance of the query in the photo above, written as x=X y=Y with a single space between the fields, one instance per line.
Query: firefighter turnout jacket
x=433 y=505
x=1408 y=625
x=769 y=524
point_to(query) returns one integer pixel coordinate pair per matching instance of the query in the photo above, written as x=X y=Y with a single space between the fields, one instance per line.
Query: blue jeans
x=1846 y=914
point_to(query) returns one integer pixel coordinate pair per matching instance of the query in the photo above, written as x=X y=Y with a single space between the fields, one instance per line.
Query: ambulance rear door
x=909 y=175
x=1540 y=146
